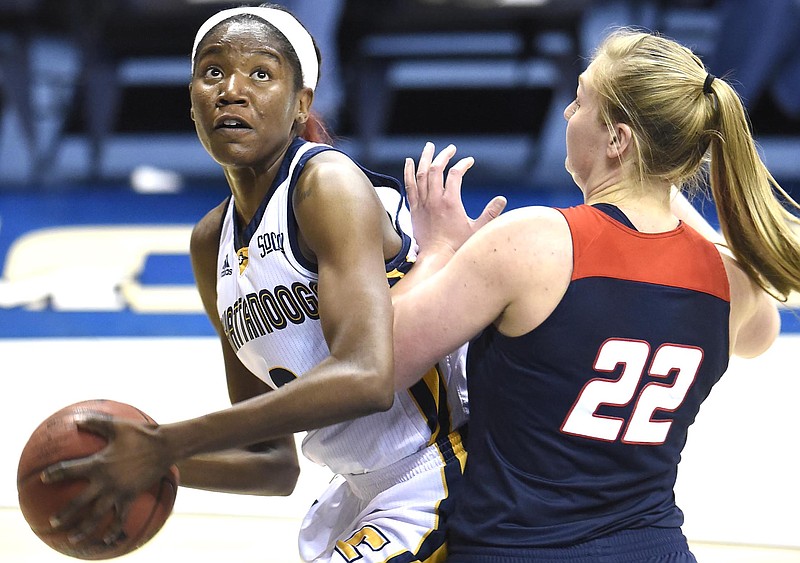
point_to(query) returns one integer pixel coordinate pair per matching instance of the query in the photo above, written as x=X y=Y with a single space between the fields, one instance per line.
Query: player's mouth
x=227 y=122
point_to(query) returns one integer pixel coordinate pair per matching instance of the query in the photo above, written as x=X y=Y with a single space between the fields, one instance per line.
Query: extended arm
x=468 y=275
x=342 y=223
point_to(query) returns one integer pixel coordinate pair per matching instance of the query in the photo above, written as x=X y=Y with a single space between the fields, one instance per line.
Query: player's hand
x=131 y=462
x=437 y=210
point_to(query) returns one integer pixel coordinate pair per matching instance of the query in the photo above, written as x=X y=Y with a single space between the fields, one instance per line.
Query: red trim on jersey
x=683 y=258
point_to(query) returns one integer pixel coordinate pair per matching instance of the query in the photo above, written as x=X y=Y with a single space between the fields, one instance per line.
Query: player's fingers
x=436 y=171
x=492 y=210
x=426 y=156
x=91 y=522
x=96 y=423
x=63 y=470
x=70 y=514
x=410 y=179
x=423 y=169
x=116 y=530
x=455 y=175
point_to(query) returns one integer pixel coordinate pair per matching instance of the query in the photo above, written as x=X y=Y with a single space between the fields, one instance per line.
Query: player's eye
x=213 y=72
x=260 y=74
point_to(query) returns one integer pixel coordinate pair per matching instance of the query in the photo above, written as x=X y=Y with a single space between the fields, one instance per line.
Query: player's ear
x=304 y=99
x=619 y=141
x=191 y=109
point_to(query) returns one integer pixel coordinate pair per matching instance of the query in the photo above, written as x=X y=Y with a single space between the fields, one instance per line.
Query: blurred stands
x=16 y=37
x=492 y=79
x=107 y=90
x=94 y=89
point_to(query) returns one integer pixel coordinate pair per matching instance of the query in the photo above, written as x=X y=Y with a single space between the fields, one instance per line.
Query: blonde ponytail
x=683 y=118
x=752 y=207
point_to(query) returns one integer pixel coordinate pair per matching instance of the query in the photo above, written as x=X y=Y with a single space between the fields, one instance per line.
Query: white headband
x=286 y=23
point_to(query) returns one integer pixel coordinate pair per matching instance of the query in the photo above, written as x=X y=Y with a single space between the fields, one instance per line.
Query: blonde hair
x=682 y=119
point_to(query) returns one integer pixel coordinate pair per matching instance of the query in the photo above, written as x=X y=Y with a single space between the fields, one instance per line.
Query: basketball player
x=597 y=331
x=292 y=269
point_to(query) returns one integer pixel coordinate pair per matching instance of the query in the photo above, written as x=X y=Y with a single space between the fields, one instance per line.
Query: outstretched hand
x=437 y=211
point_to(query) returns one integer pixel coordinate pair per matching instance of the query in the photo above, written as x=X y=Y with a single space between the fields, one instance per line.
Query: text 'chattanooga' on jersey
x=257 y=314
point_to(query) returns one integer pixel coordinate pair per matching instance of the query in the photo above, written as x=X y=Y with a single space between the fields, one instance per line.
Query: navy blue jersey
x=576 y=428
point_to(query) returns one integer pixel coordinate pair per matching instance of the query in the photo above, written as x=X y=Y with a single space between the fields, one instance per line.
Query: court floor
x=196 y=538
x=737 y=481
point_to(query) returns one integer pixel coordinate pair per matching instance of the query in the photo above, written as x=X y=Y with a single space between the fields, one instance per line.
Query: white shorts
x=399 y=512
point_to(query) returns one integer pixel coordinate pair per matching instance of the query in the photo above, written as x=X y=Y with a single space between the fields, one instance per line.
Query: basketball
x=57 y=439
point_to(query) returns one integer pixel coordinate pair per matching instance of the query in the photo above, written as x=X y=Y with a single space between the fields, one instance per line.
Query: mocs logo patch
x=241 y=254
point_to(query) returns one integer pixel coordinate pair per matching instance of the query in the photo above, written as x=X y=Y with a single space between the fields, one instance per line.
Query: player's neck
x=647 y=207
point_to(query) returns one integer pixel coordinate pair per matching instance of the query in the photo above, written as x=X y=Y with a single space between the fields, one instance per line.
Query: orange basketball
x=57 y=439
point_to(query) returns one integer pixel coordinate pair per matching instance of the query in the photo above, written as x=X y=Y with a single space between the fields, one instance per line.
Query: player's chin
x=235 y=155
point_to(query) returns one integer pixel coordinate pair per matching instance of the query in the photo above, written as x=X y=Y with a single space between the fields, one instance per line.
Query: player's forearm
x=428 y=263
x=273 y=472
x=309 y=402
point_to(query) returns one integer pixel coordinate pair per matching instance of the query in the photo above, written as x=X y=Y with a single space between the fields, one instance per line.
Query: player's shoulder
x=541 y=215
x=540 y=223
x=331 y=171
x=207 y=231
x=535 y=239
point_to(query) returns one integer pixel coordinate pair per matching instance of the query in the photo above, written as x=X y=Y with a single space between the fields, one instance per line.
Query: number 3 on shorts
x=367 y=536
x=633 y=356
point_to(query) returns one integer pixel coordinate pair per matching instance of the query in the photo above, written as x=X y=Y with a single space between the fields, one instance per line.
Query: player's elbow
x=286 y=482
x=760 y=331
x=377 y=389
x=386 y=399
x=381 y=398
x=754 y=343
x=275 y=475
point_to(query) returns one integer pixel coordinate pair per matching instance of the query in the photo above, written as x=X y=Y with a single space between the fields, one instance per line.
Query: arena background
x=101 y=180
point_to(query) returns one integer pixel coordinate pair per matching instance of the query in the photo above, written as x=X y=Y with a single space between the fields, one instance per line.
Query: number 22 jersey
x=576 y=428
